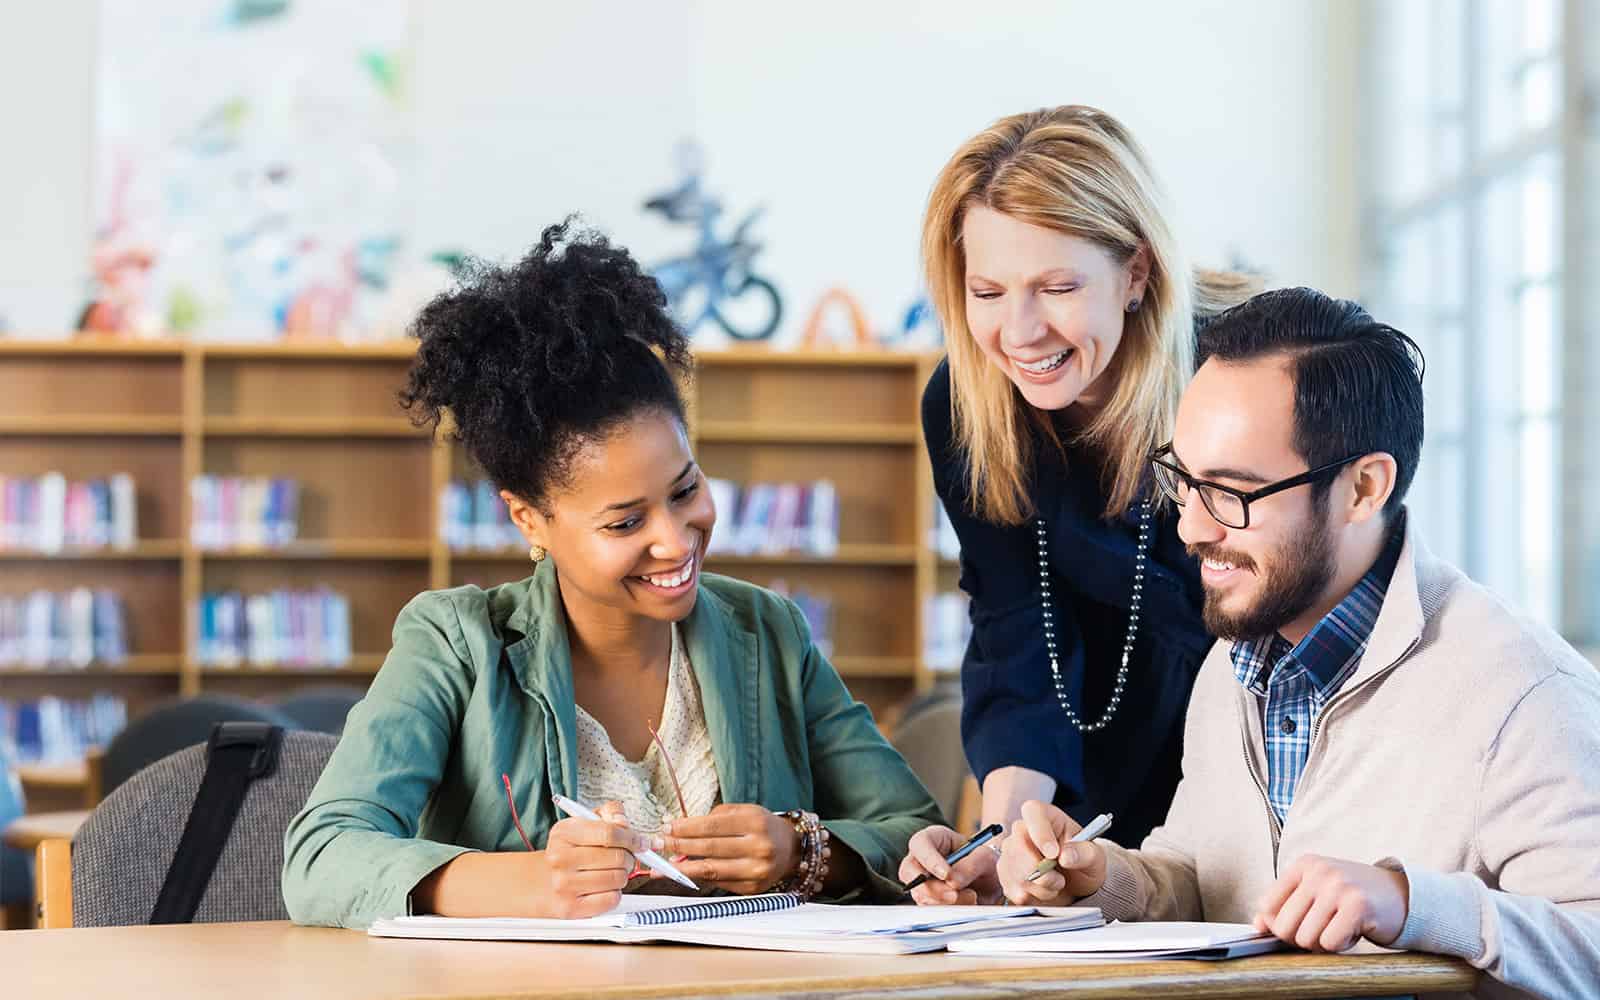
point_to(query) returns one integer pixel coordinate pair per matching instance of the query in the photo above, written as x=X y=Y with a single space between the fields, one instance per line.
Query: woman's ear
x=533 y=525
x=1138 y=274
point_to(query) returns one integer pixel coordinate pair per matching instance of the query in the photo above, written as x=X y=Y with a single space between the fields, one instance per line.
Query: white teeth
x=1220 y=567
x=1040 y=367
x=676 y=580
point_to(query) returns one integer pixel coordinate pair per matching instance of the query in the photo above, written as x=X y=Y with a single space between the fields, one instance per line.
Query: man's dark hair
x=1357 y=382
x=539 y=358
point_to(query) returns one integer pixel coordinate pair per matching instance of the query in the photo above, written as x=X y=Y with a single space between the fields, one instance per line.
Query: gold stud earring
x=537 y=553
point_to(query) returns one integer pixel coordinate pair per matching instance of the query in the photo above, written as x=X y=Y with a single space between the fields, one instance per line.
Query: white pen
x=1096 y=827
x=650 y=859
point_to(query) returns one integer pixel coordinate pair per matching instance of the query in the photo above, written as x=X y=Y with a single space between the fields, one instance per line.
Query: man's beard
x=1298 y=574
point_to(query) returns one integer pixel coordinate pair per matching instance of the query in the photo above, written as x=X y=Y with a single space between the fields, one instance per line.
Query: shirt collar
x=1332 y=649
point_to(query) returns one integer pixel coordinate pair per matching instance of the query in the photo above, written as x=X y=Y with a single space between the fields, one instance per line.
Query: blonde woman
x=1069 y=317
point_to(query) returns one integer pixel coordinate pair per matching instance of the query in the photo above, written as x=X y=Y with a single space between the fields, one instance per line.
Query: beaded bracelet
x=812 y=870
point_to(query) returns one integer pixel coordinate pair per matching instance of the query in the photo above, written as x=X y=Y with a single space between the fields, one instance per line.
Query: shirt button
x=1286 y=727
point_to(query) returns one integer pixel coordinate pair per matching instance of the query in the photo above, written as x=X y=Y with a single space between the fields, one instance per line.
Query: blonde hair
x=1075 y=170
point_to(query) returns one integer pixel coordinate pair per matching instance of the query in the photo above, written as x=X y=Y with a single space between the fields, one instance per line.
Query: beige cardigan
x=1465 y=749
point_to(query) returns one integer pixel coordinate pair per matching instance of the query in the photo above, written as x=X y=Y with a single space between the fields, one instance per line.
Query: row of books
x=70 y=629
x=48 y=513
x=243 y=512
x=946 y=627
x=56 y=730
x=775 y=518
x=282 y=628
x=817 y=610
x=472 y=516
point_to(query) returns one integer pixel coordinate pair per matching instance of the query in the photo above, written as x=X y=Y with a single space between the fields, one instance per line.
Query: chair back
x=170 y=725
x=928 y=736
x=322 y=707
x=121 y=854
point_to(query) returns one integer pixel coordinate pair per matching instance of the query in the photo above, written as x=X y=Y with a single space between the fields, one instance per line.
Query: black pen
x=980 y=838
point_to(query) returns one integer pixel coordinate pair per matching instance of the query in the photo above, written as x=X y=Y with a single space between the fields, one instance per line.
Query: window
x=1466 y=197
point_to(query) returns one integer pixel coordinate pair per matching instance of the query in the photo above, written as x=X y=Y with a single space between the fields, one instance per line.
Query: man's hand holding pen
x=1045 y=834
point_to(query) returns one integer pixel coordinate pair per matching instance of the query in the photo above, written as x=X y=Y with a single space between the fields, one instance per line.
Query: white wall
x=834 y=114
x=46 y=149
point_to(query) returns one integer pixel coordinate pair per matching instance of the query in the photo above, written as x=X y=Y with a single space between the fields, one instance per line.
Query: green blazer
x=479 y=683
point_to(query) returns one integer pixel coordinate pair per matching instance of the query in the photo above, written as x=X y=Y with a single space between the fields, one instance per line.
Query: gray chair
x=170 y=725
x=121 y=854
x=322 y=707
x=928 y=736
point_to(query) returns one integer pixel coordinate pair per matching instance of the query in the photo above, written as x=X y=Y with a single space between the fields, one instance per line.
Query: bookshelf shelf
x=875 y=666
x=161 y=550
x=91 y=425
x=87 y=347
x=360 y=665
x=773 y=432
x=763 y=358
x=141 y=665
x=847 y=555
x=312 y=427
x=394 y=349
x=356 y=549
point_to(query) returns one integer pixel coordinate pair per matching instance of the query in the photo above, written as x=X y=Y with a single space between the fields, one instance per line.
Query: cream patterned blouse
x=644 y=787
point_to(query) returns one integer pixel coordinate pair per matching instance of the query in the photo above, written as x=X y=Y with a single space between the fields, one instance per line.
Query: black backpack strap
x=237 y=754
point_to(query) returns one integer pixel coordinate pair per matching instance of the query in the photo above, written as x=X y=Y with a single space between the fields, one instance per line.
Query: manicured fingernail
x=943 y=872
x=658 y=843
x=1069 y=855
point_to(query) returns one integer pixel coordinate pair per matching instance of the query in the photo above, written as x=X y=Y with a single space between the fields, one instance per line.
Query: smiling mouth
x=1044 y=365
x=674 y=578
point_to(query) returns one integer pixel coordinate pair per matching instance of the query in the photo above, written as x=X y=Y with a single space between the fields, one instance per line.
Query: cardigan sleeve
x=352 y=855
x=1535 y=924
x=1009 y=715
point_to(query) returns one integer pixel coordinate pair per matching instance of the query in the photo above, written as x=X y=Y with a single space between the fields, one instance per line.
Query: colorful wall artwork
x=254 y=161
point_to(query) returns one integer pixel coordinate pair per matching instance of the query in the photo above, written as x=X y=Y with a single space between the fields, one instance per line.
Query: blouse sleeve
x=1010 y=716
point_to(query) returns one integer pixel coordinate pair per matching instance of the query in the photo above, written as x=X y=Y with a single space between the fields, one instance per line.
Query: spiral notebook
x=771 y=922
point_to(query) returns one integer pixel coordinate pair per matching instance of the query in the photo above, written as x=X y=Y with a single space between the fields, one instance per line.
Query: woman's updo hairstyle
x=538 y=359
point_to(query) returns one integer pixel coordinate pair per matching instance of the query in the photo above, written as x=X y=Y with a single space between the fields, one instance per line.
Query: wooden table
x=25 y=832
x=245 y=961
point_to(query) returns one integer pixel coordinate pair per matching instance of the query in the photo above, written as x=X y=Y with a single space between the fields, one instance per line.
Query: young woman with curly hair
x=560 y=376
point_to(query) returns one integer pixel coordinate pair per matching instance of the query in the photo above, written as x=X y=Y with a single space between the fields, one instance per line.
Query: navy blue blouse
x=1010 y=716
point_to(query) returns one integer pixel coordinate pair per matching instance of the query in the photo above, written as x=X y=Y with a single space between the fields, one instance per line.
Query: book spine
x=124 y=511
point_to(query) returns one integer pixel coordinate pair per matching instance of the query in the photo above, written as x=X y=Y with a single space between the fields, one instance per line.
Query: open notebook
x=771 y=922
x=1133 y=942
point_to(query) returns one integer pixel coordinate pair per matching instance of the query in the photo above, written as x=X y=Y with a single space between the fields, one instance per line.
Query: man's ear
x=533 y=524
x=1372 y=481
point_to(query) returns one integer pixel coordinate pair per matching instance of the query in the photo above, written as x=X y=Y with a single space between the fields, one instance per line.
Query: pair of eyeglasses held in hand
x=577 y=809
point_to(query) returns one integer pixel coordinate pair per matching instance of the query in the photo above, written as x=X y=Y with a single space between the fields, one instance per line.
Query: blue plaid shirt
x=1294 y=683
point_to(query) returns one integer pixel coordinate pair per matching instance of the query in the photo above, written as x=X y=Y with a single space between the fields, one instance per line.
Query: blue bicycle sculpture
x=715 y=283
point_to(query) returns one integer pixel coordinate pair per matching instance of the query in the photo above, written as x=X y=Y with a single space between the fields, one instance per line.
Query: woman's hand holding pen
x=741 y=848
x=969 y=881
x=585 y=864
x=1043 y=832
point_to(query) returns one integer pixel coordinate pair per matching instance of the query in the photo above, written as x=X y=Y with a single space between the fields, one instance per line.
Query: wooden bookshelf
x=326 y=415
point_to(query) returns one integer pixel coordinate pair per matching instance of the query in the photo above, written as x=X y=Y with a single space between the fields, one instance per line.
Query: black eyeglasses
x=1229 y=506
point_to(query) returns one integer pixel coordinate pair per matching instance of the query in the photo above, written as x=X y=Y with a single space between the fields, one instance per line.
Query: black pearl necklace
x=1127 y=645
